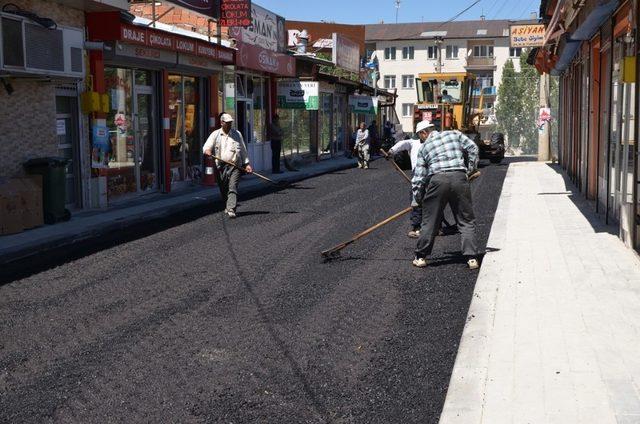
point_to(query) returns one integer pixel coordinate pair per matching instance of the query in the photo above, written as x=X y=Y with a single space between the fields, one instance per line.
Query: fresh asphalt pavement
x=205 y=319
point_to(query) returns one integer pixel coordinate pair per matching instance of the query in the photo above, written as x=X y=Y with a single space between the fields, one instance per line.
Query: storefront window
x=326 y=123
x=229 y=79
x=297 y=130
x=259 y=108
x=185 y=140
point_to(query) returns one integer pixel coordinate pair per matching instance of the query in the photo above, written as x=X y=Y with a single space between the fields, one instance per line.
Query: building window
x=407 y=53
x=432 y=52
x=483 y=51
x=484 y=79
x=389 y=81
x=407 y=81
x=407 y=110
x=452 y=52
x=390 y=53
x=515 y=51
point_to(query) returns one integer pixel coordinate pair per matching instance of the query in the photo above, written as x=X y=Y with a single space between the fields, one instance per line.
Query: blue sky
x=373 y=11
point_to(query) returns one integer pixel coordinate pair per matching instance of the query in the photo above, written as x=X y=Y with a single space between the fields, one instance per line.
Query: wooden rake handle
x=365 y=232
x=242 y=169
x=393 y=162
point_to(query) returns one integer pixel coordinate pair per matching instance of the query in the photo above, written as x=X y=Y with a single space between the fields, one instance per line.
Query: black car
x=492 y=149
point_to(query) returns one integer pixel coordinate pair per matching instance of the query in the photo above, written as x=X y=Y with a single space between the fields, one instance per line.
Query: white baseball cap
x=226 y=118
x=423 y=125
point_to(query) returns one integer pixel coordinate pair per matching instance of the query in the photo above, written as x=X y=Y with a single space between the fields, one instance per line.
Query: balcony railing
x=480 y=62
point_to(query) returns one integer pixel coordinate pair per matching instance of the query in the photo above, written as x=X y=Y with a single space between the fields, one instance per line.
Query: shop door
x=615 y=141
x=68 y=143
x=146 y=164
x=245 y=120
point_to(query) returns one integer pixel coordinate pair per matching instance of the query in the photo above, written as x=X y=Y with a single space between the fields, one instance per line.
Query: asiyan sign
x=363 y=104
x=527 y=35
x=298 y=95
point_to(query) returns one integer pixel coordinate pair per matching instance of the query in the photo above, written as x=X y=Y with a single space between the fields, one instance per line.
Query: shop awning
x=568 y=52
x=596 y=18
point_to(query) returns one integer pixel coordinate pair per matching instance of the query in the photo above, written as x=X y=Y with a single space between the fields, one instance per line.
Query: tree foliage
x=518 y=105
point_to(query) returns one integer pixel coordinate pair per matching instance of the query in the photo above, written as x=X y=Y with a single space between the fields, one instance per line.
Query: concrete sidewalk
x=553 y=331
x=93 y=224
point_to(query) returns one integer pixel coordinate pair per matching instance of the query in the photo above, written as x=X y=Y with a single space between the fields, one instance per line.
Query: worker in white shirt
x=362 y=146
x=227 y=144
x=412 y=145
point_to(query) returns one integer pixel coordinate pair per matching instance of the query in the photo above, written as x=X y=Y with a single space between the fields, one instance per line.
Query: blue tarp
x=596 y=18
x=568 y=52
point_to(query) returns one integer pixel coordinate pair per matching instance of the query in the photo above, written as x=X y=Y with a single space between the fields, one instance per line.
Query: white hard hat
x=423 y=125
x=226 y=118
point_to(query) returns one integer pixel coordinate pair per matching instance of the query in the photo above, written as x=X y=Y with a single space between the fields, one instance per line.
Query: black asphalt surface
x=206 y=319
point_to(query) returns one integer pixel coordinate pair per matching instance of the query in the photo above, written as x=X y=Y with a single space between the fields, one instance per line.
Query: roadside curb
x=158 y=210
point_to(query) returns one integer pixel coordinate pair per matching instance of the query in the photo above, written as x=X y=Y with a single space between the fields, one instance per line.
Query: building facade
x=405 y=50
x=592 y=47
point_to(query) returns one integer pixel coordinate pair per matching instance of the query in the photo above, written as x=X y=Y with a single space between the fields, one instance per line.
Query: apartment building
x=405 y=50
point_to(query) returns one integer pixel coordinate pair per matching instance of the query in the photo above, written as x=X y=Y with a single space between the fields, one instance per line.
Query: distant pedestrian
x=362 y=146
x=374 y=141
x=275 y=134
x=227 y=144
x=441 y=178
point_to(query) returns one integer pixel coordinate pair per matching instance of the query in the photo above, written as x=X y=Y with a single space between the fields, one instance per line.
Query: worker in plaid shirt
x=445 y=161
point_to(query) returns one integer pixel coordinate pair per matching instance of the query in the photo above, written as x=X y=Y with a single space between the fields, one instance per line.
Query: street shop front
x=162 y=102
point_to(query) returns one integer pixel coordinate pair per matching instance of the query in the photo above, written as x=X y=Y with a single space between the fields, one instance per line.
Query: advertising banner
x=367 y=105
x=100 y=145
x=260 y=59
x=235 y=13
x=298 y=95
x=266 y=30
x=526 y=35
x=206 y=7
x=346 y=53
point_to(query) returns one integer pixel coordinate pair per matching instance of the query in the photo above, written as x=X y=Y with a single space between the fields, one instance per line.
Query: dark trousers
x=415 y=217
x=228 y=178
x=448 y=188
x=276 y=147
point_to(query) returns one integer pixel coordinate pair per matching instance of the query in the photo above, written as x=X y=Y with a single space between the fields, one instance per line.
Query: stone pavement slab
x=553 y=330
x=93 y=224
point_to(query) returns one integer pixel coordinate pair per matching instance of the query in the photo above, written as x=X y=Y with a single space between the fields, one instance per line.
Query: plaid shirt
x=443 y=151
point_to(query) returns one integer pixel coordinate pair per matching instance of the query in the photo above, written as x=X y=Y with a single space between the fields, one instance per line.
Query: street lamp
x=397 y=9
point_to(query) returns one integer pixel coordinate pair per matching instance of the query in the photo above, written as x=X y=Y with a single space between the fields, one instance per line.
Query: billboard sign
x=346 y=53
x=266 y=30
x=298 y=95
x=367 y=105
x=206 y=7
x=526 y=35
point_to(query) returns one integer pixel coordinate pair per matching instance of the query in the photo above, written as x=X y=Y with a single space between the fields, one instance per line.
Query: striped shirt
x=442 y=152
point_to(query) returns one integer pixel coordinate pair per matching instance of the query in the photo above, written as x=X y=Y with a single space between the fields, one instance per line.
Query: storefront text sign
x=142 y=52
x=235 y=13
x=346 y=53
x=298 y=95
x=527 y=35
x=206 y=7
x=363 y=104
x=266 y=30
x=257 y=58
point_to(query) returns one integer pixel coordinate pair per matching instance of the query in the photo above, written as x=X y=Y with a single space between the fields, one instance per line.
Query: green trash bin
x=54 y=186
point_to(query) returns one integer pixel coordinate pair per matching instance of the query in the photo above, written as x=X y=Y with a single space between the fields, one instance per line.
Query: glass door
x=146 y=165
x=68 y=142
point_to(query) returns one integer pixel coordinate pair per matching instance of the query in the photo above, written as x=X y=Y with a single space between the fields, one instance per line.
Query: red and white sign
x=260 y=59
x=235 y=13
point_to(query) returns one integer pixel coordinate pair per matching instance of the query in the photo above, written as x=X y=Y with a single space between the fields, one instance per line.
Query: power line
x=500 y=8
x=527 y=8
x=491 y=8
x=458 y=15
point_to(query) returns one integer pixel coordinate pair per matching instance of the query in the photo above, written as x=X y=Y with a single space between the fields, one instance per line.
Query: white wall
x=421 y=64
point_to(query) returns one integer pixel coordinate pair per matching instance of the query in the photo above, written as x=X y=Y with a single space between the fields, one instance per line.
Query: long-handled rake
x=335 y=250
x=277 y=183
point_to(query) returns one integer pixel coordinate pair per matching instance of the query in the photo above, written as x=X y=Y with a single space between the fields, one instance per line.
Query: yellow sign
x=526 y=35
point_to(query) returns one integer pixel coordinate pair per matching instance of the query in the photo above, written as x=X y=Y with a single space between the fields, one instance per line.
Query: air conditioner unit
x=30 y=49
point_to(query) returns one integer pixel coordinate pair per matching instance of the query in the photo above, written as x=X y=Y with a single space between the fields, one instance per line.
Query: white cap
x=423 y=125
x=226 y=118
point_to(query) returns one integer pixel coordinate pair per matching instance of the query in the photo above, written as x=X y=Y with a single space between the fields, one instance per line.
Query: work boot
x=473 y=263
x=414 y=233
x=366 y=166
x=231 y=213
x=420 y=262
x=359 y=165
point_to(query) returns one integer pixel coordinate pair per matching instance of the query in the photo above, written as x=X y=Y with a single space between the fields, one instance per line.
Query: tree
x=518 y=105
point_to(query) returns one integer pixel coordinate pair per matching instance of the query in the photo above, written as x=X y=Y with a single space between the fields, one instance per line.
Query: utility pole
x=438 y=41
x=397 y=9
x=544 y=137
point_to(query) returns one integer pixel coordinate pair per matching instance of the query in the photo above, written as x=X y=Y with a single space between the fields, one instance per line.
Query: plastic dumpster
x=53 y=171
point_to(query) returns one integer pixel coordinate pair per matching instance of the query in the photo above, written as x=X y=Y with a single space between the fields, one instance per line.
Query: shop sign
x=363 y=104
x=61 y=127
x=527 y=35
x=266 y=31
x=198 y=62
x=147 y=53
x=206 y=7
x=346 y=53
x=254 y=57
x=298 y=95
x=230 y=96
x=235 y=13
x=186 y=46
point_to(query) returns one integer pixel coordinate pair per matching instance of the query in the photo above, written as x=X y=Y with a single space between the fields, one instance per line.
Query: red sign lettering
x=235 y=13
